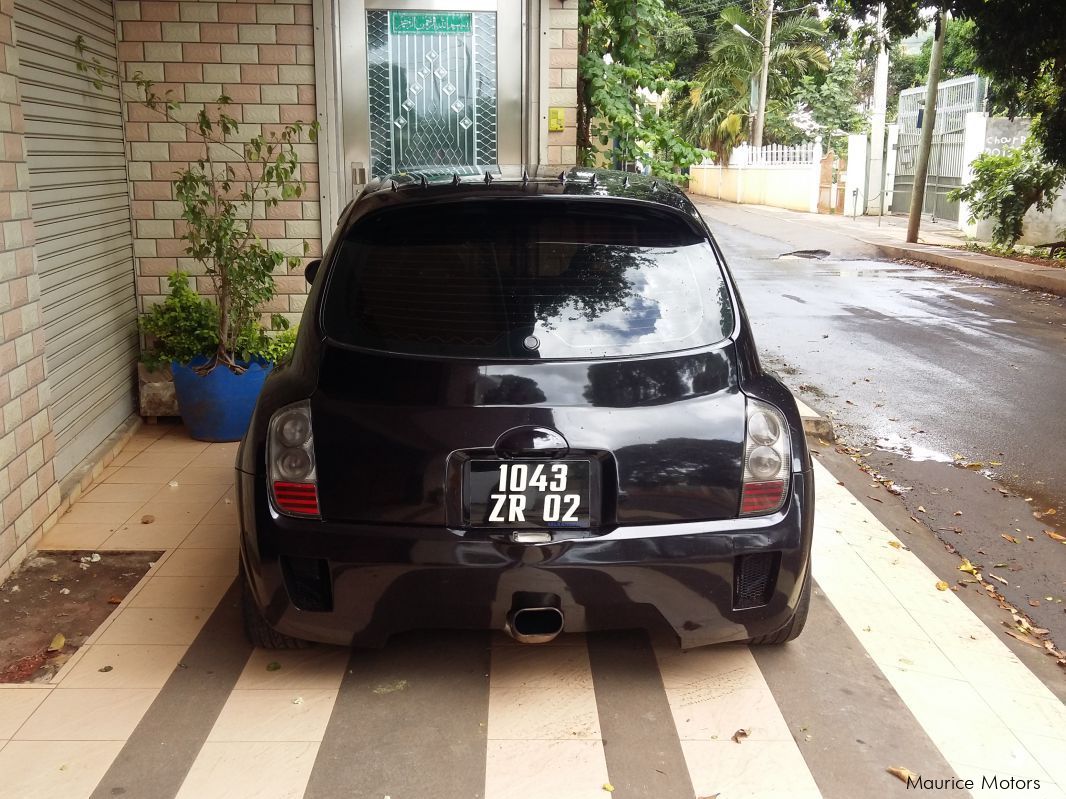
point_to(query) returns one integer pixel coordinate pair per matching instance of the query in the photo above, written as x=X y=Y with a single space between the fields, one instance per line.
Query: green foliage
x=615 y=111
x=1006 y=186
x=832 y=98
x=720 y=107
x=222 y=193
x=1020 y=46
x=182 y=327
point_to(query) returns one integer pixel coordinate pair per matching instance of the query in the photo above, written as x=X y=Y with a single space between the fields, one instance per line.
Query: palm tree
x=721 y=103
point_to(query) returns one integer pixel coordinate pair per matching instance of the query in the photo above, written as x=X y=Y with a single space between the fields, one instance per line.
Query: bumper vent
x=754 y=577
x=308 y=583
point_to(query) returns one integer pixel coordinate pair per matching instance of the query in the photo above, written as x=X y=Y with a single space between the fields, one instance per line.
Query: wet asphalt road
x=924 y=363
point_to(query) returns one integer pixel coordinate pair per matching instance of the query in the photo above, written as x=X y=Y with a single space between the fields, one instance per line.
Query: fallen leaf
x=875 y=499
x=273 y=666
x=105 y=669
x=1034 y=603
x=114 y=600
x=608 y=787
x=147 y=518
x=1009 y=538
x=921 y=509
x=1023 y=638
x=942 y=586
x=298 y=700
x=975 y=465
x=995 y=463
x=895 y=544
x=58 y=642
x=998 y=579
x=1054 y=536
x=903 y=774
x=968 y=567
x=741 y=734
x=957 y=513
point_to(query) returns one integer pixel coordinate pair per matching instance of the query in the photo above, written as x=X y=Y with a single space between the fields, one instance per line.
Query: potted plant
x=217 y=347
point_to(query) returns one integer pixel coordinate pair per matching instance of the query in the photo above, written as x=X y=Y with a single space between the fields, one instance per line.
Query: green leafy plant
x=1006 y=186
x=221 y=194
x=618 y=66
x=182 y=327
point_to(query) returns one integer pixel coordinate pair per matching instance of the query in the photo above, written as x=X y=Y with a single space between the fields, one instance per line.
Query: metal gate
x=81 y=214
x=955 y=99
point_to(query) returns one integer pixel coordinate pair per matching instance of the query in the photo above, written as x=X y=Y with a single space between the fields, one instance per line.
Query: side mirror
x=311 y=270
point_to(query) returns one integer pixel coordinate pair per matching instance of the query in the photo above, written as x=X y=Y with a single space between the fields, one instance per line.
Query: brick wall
x=29 y=495
x=259 y=53
x=562 y=79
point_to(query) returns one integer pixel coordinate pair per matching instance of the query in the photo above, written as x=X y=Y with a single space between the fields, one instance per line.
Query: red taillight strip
x=762 y=497
x=301 y=498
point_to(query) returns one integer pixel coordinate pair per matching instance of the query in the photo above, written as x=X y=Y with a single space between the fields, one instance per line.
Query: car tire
x=795 y=625
x=259 y=632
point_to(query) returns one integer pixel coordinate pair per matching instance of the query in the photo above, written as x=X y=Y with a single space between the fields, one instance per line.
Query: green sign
x=423 y=23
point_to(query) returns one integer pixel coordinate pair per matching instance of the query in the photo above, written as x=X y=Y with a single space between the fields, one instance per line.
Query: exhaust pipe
x=534 y=625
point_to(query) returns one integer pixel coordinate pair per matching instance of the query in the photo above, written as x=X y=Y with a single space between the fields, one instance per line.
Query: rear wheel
x=259 y=632
x=796 y=624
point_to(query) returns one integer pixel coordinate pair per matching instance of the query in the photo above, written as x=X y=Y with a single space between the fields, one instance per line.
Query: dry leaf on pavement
x=58 y=642
x=1054 y=536
x=942 y=586
x=1009 y=538
x=968 y=567
x=904 y=774
x=739 y=735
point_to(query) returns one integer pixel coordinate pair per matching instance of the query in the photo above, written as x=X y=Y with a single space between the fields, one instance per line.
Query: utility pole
x=760 y=114
x=877 y=120
x=925 y=143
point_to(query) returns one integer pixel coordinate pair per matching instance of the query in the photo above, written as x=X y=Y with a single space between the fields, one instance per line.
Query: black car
x=524 y=404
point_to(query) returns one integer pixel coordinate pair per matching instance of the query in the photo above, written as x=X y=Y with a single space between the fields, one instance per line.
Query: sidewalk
x=887 y=235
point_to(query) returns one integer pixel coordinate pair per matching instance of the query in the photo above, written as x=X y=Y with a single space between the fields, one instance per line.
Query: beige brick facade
x=260 y=54
x=562 y=79
x=29 y=494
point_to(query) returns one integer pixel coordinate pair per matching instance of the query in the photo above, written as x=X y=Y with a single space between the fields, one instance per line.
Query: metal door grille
x=432 y=96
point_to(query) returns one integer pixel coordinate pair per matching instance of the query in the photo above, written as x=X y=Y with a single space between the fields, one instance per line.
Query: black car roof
x=416 y=187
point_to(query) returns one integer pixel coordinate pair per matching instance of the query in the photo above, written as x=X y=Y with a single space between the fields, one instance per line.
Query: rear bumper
x=382 y=580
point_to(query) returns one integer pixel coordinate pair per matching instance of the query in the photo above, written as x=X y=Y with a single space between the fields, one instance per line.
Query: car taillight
x=766 y=460
x=290 y=456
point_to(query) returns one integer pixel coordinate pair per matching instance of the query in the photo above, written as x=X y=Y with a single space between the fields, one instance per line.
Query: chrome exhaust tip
x=534 y=625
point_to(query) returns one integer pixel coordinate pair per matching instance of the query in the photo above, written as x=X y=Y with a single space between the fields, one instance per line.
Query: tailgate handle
x=531 y=442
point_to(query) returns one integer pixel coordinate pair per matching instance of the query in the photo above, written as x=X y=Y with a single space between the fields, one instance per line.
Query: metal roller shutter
x=81 y=213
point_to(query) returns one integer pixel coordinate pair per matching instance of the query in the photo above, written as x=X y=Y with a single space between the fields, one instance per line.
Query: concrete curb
x=1017 y=273
x=814 y=423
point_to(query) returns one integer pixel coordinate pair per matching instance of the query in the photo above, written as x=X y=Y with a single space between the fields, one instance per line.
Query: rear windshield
x=526 y=279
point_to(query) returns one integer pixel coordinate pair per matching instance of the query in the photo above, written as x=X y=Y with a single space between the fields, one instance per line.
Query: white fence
x=775 y=175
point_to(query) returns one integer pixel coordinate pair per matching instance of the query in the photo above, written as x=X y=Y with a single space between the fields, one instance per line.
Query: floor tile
x=135 y=535
x=274 y=715
x=189 y=513
x=181 y=592
x=68 y=535
x=127 y=666
x=723 y=667
x=139 y=474
x=218 y=455
x=223 y=512
x=87 y=714
x=114 y=513
x=561 y=713
x=155 y=626
x=541 y=667
x=200 y=563
x=206 y=475
x=208 y=536
x=17 y=706
x=242 y=770
x=120 y=492
x=195 y=493
x=556 y=769
x=150 y=459
x=318 y=668
x=55 y=769
x=749 y=770
x=178 y=444
x=716 y=716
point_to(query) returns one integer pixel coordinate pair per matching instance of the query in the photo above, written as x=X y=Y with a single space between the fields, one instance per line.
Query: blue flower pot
x=218 y=406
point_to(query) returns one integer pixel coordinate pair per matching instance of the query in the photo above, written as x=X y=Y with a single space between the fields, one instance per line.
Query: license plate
x=524 y=494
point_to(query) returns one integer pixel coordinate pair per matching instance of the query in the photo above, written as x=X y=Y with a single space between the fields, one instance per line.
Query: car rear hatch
x=466 y=336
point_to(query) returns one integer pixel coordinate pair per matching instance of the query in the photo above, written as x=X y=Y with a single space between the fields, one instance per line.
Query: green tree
x=619 y=64
x=1019 y=44
x=720 y=106
x=832 y=98
x=1006 y=186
